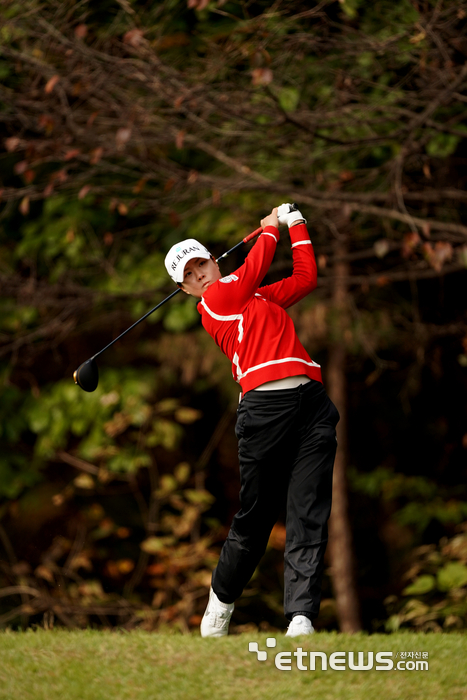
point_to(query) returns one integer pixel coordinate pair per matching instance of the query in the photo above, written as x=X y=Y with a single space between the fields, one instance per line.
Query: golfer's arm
x=303 y=280
x=239 y=288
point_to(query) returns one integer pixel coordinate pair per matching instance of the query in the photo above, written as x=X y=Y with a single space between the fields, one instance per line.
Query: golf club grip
x=253 y=235
x=245 y=240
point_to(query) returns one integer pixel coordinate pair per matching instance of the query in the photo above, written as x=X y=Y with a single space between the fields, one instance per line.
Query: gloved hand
x=288 y=214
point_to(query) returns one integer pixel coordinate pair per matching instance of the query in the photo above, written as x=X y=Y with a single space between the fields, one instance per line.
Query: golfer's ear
x=180 y=285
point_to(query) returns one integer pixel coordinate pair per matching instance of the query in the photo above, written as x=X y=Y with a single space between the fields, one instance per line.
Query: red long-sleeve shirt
x=249 y=323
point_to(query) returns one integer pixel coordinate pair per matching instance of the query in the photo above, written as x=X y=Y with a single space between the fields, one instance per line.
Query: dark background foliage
x=126 y=126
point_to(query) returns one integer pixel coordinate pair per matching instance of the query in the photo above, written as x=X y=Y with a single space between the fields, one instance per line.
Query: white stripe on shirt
x=235 y=362
x=266 y=233
x=234 y=317
x=277 y=362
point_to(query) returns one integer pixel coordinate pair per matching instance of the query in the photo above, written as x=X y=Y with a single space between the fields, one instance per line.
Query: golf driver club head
x=87 y=375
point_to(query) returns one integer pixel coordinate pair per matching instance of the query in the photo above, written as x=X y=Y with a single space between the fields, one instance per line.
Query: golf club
x=87 y=374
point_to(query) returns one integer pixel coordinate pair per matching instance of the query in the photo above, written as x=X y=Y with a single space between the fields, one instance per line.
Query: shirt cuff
x=299 y=235
x=271 y=231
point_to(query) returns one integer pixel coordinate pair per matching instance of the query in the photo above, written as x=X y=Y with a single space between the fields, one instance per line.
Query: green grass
x=96 y=665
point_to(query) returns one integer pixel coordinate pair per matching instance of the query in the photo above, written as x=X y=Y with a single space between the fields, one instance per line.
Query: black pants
x=286 y=446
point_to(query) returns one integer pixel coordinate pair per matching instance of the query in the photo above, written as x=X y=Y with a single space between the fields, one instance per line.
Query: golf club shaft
x=245 y=240
x=136 y=323
x=222 y=257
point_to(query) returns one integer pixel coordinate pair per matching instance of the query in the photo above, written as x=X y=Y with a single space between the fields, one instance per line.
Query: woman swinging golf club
x=285 y=420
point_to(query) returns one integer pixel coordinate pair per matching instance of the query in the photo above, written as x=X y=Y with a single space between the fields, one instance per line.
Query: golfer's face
x=199 y=274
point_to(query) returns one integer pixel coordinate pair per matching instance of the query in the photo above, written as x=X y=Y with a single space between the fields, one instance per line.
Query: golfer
x=285 y=420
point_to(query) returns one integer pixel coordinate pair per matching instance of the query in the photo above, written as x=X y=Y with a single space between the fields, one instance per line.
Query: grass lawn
x=96 y=665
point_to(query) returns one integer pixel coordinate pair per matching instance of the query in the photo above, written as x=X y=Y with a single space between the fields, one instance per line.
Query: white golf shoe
x=299 y=625
x=216 y=619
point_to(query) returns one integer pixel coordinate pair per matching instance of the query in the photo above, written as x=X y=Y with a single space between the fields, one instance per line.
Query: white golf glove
x=288 y=214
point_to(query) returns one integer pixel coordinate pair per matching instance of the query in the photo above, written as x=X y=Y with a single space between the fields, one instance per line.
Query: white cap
x=180 y=253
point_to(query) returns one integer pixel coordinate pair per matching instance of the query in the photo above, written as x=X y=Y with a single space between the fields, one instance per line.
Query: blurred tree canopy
x=126 y=126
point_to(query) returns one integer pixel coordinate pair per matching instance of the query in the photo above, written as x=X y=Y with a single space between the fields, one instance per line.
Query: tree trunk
x=340 y=535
